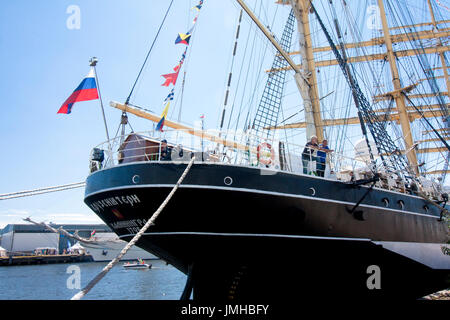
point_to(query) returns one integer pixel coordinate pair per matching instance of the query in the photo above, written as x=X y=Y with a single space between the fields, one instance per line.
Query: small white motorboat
x=137 y=265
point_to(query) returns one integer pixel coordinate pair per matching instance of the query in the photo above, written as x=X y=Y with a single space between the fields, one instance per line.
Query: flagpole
x=93 y=63
x=203 y=130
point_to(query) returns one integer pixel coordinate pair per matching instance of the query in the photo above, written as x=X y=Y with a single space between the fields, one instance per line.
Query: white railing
x=239 y=149
x=214 y=147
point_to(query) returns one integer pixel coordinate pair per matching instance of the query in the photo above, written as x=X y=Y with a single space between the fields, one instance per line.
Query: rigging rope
x=443 y=6
x=428 y=122
x=148 y=54
x=247 y=75
x=27 y=193
x=231 y=73
x=61 y=231
x=382 y=139
x=404 y=15
x=150 y=222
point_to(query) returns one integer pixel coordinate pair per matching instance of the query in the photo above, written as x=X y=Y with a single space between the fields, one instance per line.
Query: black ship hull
x=245 y=233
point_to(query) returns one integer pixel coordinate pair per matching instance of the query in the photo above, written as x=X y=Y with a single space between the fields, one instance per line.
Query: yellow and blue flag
x=160 y=124
x=183 y=38
x=199 y=6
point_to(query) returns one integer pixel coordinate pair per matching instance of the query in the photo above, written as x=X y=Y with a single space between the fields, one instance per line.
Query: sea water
x=61 y=282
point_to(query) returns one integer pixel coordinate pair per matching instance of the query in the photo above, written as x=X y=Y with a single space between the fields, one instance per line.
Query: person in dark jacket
x=322 y=158
x=166 y=151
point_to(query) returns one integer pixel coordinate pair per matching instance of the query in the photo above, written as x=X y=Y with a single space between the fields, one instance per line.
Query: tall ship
x=268 y=209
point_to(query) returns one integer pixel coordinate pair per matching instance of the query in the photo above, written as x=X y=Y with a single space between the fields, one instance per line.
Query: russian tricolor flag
x=87 y=90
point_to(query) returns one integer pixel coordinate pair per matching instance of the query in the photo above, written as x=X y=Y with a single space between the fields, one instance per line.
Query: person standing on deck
x=166 y=151
x=322 y=158
x=308 y=153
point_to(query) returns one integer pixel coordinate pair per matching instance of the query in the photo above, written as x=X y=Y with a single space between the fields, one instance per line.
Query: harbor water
x=61 y=282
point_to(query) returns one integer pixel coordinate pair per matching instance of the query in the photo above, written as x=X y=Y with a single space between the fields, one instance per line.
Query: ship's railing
x=241 y=149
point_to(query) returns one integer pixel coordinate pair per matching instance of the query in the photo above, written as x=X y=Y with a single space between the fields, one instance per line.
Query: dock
x=44 y=259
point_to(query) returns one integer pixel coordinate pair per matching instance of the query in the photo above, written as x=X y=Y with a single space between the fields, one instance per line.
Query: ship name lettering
x=133 y=230
x=131 y=200
x=135 y=198
x=124 y=224
x=141 y=222
x=100 y=205
x=111 y=202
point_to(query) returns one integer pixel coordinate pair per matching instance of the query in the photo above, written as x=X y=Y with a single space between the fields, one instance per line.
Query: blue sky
x=43 y=61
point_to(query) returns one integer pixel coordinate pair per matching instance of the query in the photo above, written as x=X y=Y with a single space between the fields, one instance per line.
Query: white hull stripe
x=267 y=235
x=257 y=191
x=251 y=168
x=429 y=254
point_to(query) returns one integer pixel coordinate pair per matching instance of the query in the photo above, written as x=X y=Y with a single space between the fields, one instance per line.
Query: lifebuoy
x=265 y=153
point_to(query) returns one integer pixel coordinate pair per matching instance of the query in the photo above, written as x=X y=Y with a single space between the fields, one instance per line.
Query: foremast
x=309 y=91
x=439 y=45
x=397 y=94
x=447 y=82
x=307 y=84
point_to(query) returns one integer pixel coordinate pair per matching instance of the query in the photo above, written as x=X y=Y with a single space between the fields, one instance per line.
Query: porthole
x=386 y=202
x=228 y=181
x=401 y=204
x=425 y=207
x=136 y=179
x=313 y=191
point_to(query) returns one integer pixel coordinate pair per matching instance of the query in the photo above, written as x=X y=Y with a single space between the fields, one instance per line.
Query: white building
x=24 y=238
x=3 y=252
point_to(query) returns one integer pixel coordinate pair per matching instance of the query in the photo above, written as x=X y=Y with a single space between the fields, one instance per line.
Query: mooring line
x=60 y=230
x=28 y=193
x=155 y=215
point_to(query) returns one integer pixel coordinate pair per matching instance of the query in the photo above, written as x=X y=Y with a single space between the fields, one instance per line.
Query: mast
x=397 y=96
x=305 y=78
x=444 y=68
x=439 y=45
x=308 y=88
